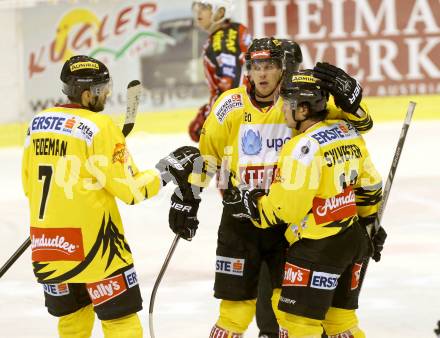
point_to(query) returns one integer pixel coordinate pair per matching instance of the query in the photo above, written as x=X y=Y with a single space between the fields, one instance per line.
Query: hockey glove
x=242 y=202
x=182 y=217
x=345 y=89
x=378 y=240
x=178 y=165
x=196 y=125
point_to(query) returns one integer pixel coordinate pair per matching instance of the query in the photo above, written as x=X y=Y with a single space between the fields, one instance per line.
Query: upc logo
x=251 y=142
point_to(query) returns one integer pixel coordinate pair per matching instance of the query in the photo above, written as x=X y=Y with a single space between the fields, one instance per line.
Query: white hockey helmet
x=215 y=6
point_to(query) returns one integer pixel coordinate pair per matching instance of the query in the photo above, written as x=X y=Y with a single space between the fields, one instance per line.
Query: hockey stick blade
x=134 y=90
x=157 y=282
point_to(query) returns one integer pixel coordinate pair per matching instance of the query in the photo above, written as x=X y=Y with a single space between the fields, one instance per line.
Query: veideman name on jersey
x=49 y=146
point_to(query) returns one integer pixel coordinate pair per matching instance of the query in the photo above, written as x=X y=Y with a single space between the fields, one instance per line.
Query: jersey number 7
x=44 y=174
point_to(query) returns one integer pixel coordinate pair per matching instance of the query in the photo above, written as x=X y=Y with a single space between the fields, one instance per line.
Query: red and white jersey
x=223 y=58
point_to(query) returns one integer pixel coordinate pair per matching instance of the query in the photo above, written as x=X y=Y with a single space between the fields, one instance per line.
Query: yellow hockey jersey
x=246 y=140
x=325 y=180
x=75 y=163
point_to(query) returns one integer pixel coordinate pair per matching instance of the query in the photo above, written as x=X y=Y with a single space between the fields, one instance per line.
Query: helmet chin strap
x=93 y=106
x=298 y=122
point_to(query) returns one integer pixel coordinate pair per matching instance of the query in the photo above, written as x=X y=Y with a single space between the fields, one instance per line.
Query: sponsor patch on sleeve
x=120 y=153
x=226 y=105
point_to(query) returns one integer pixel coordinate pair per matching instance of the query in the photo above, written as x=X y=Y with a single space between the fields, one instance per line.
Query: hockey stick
x=396 y=158
x=389 y=183
x=133 y=94
x=158 y=280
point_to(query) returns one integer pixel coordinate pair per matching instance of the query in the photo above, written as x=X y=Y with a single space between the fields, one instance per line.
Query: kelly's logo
x=102 y=291
x=295 y=275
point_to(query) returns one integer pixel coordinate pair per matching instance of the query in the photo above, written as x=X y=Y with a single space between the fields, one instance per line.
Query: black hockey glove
x=345 y=89
x=241 y=202
x=182 y=217
x=178 y=165
x=378 y=240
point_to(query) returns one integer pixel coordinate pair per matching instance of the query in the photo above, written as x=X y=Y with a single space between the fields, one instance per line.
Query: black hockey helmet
x=265 y=49
x=292 y=54
x=82 y=73
x=303 y=87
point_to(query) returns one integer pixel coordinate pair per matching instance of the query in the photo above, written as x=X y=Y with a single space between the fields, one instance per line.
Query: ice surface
x=400 y=297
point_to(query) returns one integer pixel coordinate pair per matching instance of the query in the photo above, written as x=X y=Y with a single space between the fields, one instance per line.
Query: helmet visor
x=259 y=64
x=104 y=88
x=290 y=102
x=297 y=96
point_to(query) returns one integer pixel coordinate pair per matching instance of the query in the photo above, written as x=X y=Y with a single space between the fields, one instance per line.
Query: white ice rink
x=400 y=297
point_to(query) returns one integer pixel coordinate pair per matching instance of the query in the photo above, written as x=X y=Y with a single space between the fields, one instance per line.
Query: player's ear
x=85 y=98
x=219 y=14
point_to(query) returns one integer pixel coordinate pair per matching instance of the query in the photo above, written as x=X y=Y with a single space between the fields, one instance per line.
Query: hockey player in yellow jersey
x=327 y=190
x=244 y=134
x=75 y=163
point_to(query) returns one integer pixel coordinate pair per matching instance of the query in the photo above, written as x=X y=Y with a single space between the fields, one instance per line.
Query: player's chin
x=290 y=124
x=99 y=107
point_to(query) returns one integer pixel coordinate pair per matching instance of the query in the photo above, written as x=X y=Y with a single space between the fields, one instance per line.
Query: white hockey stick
x=396 y=158
x=389 y=183
x=134 y=90
x=158 y=280
x=133 y=94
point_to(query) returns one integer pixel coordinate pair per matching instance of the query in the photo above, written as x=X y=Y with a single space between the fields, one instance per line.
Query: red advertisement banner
x=392 y=47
